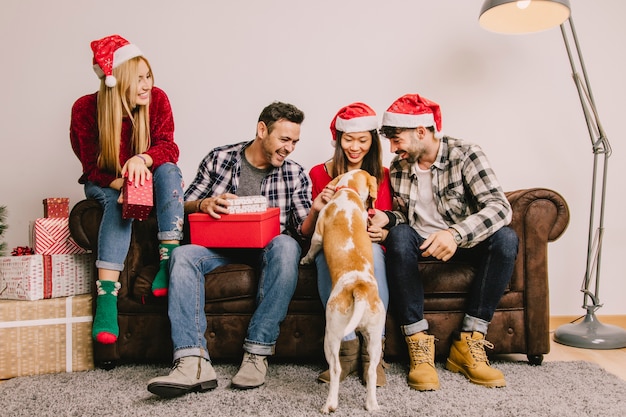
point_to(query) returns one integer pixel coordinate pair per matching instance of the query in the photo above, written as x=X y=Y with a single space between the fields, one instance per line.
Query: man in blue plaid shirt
x=257 y=167
x=447 y=204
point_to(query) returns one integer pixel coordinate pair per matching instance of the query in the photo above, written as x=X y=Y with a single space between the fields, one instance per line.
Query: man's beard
x=410 y=156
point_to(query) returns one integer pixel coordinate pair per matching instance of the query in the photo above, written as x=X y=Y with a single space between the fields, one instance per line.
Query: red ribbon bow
x=22 y=250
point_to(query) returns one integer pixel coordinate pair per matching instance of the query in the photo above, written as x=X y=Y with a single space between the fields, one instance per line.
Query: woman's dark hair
x=372 y=162
x=280 y=111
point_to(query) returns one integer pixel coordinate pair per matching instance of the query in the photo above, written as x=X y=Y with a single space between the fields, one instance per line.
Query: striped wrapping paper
x=51 y=236
x=45 y=336
x=35 y=277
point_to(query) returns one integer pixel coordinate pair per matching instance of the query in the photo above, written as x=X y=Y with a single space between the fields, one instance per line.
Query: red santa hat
x=411 y=111
x=110 y=52
x=355 y=117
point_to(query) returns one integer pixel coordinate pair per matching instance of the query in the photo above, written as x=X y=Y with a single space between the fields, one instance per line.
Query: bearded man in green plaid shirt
x=448 y=204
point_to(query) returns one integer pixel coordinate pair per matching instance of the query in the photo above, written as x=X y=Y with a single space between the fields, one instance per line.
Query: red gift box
x=249 y=230
x=137 y=201
x=56 y=207
x=51 y=236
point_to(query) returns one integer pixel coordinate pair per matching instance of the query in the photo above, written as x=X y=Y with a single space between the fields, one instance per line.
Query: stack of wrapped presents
x=45 y=300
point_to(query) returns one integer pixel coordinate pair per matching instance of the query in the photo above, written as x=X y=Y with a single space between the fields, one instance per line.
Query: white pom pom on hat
x=110 y=52
x=110 y=81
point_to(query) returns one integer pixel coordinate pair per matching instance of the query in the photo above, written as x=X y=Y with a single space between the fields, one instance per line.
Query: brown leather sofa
x=520 y=324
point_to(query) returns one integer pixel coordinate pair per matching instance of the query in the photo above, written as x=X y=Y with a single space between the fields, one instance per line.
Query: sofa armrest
x=540 y=216
x=530 y=206
x=84 y=223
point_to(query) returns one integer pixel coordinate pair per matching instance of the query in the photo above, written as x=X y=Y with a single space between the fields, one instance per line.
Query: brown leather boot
x=422 y=372
x=468 y=356
x=348 y=358
x=381 y=378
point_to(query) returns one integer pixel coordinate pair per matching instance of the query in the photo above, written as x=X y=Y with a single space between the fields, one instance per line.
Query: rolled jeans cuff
x=258 y=349
x=191 y=351
x=474 y=324
x=109 y=265
x=419 y=326
x=171 y=235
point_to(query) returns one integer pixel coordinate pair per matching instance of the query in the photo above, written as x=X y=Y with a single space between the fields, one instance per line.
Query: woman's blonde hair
x=115 y=103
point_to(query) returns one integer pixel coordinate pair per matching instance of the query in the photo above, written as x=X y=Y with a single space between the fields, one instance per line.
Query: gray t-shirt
x=250 y=179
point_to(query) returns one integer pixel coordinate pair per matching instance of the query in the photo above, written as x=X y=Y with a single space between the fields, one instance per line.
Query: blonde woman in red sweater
x=126 y=129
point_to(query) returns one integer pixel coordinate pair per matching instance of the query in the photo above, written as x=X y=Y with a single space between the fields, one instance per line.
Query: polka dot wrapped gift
x=137 y=201
x=57 y=207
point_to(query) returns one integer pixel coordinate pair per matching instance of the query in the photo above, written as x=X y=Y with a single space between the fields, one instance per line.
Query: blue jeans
x=114 y=233
x=493 y=259
x=278 y=263
x=324 y=285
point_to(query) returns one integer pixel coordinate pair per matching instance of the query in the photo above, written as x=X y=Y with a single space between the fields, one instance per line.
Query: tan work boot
x=468 y=356
x=348 y=358
x=381 y=378
x=251 y=373
x=422 y=374
x=189 y=374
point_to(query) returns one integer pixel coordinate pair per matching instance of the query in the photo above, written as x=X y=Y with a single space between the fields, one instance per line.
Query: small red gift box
x=249 y=230
x=56 y=207
x=137 y=200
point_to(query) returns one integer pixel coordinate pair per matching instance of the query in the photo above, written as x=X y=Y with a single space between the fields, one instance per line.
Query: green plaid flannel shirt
x=467 y=192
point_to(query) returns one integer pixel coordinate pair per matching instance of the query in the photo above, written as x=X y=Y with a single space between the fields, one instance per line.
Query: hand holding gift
x=137 y=199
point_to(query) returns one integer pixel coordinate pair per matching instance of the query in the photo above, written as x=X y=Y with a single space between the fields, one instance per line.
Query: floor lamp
x=527 y=16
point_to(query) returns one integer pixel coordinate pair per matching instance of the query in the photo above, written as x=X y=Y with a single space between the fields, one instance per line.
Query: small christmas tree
x=3 y=227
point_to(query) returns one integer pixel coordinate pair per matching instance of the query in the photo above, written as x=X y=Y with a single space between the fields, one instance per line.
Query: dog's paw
x=372 y=405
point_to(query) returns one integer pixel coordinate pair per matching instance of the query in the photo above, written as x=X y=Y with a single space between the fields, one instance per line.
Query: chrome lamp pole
x=527 y=16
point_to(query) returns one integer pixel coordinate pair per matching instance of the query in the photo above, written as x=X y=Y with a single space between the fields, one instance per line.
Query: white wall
x=222 y=62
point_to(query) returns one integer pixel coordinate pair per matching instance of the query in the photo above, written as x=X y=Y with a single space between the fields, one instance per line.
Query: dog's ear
x=372 y=183
x=335 y=180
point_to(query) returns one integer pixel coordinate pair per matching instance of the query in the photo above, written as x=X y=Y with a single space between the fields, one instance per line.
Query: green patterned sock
x=105 y=329
x=162 y=278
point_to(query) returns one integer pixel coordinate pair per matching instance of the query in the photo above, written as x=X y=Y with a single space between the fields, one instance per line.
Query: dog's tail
x=360 y=294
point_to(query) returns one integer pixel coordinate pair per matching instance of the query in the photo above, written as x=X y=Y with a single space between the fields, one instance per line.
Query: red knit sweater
x=85 y=142
x=320 y=178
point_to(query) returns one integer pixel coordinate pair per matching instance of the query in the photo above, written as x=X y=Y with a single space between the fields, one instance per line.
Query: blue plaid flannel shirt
x=287 y=187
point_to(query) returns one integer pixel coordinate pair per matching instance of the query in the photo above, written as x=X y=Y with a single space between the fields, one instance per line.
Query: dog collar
x=345 y=187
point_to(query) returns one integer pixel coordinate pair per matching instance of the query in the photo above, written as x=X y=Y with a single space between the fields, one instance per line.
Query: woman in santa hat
x=355 y=138
x=126 y=129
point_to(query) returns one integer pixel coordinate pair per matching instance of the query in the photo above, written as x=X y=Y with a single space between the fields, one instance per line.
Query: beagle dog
x=354 y=304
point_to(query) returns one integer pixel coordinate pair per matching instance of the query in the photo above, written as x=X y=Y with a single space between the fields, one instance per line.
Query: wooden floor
x=613 y=360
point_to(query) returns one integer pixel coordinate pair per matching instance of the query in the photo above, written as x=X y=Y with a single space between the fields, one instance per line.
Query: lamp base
x=591 y=334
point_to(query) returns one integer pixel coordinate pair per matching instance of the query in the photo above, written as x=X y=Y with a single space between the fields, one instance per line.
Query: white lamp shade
x=523 y=16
